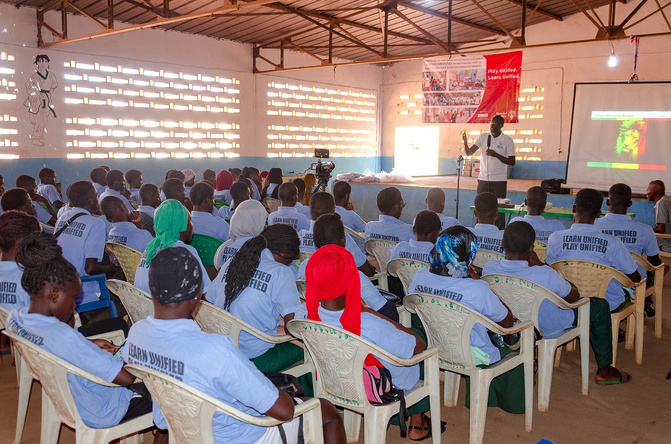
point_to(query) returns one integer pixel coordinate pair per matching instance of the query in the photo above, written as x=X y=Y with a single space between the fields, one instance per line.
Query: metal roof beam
x=499 y=24
x=436 y=41
x=536 y=8
x=457 y=20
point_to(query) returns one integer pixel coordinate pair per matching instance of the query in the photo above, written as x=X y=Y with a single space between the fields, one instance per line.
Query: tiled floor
x=638 y=412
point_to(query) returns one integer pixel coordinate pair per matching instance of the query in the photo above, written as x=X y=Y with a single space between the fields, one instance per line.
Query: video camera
x=323 y=170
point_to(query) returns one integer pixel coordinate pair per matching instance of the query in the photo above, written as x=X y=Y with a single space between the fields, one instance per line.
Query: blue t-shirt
x=270 y=295
x=115 y=193
x=49 y=192
x=472 y=293
x=585 y=242
x=445 y=221
x=543 y=227
x=412 y=249
x=389 y=228
x=489 y=237
x=289 y=216
x=126 y=233
x=12 y=294
x=233 y=247
x=99 y=406
x=308 y=244
x=180 y=349
x=209 y=225
x=551 y=319
x=636 y=236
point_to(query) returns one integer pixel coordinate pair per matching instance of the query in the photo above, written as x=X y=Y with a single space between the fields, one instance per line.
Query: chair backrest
x=219 y=254
x=355 y=234
x=301 y=285
x=484 y=256
x=522 y=296
x=305 y=255
x=338 y=357
x=405 y=269
x=448 y=326
x=138 y=303
x=380 y=249
x=128 y=258
x=4 y=313
x=213 y=319
x=206 y=247
x=271 y=204
x=47 y=228
x=591 y=278
x=53 y=375
x=540 y=248
x=643 y=262
x=189 y=411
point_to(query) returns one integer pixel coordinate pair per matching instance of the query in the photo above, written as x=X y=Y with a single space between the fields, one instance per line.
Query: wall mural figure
x=40 y=87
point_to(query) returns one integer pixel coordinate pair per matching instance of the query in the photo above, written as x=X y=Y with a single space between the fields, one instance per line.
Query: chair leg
x=451 y=390
x=584 y=361
x=558 y=356
x=615 y=326
x=375 y=428
x=312 y=427
x=51 y=423
x=528 y=350
x=638 y=337
x=404 y=318
x=570 y=346
x=630 y=332
x=478 y=412
x=659 y=288
x=25 y=386
x=352 y=425
x=545 y=370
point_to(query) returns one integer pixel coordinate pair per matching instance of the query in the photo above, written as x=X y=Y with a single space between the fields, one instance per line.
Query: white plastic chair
x=656 y=291
x=271 y=204
x=405 y=269
x=58 y=406
x=219 y=254
x=448 y=326
x=592 y=279
x=301 y=285
x=379 y=249
x=524 y=298
x=47 y=228
x=213 y=319
x=541 y=249
x=138 y=304
x=355 y=234
x=127 y=257
x=484 y=256
x=305 y=255
x=338 y=357
x=189 y=411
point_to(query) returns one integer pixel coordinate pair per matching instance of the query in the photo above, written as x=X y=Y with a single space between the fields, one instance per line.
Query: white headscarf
x=248 y=220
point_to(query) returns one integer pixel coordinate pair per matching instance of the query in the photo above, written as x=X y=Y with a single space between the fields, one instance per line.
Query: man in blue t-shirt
x=389 y=225
x=488 y=234
x=175 y=281
x=522 y=261
x=535 y=201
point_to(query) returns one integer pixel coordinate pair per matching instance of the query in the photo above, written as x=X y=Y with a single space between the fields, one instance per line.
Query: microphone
x=489 y=140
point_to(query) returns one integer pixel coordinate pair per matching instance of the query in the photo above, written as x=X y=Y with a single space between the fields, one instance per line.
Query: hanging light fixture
x=612 y=60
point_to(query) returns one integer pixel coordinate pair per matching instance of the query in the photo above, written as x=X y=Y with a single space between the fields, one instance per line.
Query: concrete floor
x=638 y=412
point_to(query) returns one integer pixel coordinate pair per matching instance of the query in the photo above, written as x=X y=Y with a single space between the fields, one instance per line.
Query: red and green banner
x=471 y=89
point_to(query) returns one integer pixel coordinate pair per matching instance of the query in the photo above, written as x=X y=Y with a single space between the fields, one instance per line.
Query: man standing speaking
x=498 y=151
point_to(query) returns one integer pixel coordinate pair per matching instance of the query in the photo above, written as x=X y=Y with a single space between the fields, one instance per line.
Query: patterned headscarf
x=224 y=180
x=174 y=276
x=170 y=219
x=454 y=252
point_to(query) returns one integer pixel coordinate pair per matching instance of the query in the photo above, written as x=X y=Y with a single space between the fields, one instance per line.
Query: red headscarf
x=330 y=273
x=224 y=180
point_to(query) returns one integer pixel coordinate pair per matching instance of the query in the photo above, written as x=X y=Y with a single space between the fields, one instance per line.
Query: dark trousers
x=499 y=189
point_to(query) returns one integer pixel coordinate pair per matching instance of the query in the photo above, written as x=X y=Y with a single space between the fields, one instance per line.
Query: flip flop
x=624 y=378
x=443 y=426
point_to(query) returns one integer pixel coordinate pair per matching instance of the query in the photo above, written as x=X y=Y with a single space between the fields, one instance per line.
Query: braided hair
x=279 y=239
x=43 y=263
x=15 y=225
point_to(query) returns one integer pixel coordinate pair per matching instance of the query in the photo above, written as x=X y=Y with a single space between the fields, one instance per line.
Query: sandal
x=624 y=378
x=443 y=426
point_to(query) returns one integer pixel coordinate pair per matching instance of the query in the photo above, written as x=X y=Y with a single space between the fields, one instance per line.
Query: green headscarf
x=170 y=219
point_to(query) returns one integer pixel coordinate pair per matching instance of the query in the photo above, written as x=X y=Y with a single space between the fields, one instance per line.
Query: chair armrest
x=116 y=337
x=306 y=406
x=514 y=329
x=274 y=339
x=355 y=234
x=647 y=266
x=416 y=359
x=561 y=303
x=378 y=276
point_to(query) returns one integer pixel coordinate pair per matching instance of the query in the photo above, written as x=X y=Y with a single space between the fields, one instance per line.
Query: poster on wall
x=471 y=89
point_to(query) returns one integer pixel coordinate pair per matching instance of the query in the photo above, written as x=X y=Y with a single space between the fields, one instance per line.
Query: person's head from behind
x=454 y=251
x=2 y=185
x=435 y=200
x=105 y=167
x=114 y=209
x=14 y=226
x=175 y=282
x=209 y=176
x=47 y=176
x=116 y=180
x=587 y=205
x=99 y=176
x=300 y=186
x=342 y=191
x=239 y=193
x=189 y=177
x=427 y=226
x=235 y=172
x=134 y=179
x=281 y=240
x=172 y=223
x=619 y=198
x=275 y=176
x=224 y=180
x=150 y=195
x=249 y=219
x=173 y=188
x=536 y=200
x=17 y=199
x=202 y=196
x=82 y=194
x=329 y=229
x=27 y=183
x=655 y=191
x=175 y=174
x=288 y=194
x=486 y=208
x=51 y=281
x=518 y=240
x=321 y=203
x=390 y=202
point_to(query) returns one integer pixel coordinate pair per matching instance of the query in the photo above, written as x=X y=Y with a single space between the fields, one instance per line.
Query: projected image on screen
x=620 y=133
